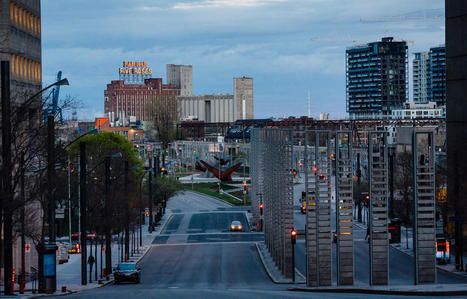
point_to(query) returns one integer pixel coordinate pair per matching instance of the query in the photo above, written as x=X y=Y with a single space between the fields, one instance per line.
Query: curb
x=264 y=265
x=379 y=292
x=269 y=273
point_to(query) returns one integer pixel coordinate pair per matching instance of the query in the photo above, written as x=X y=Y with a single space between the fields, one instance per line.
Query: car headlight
x=240 y=227
x=232 y=227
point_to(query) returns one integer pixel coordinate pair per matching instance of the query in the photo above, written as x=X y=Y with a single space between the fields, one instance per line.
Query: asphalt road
x=197 y=257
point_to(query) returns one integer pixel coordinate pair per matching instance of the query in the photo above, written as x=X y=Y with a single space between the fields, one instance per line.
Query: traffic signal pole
x=293 y=240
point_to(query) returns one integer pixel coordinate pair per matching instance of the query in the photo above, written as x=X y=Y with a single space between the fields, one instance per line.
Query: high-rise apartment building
x=182 y=77
x=421 y=77
x=429 y=76
x=20 y=43
x=123 y=100
x=438 y=75
x=376 y=78
x=243 y=98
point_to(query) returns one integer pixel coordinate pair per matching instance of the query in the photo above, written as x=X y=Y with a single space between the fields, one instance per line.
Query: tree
x=114 y=212
x=164 y=113
x=164 y=188
x=404 y=185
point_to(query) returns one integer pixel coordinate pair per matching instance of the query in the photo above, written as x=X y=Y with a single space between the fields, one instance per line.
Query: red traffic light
x=260 y=205
x=293 y=236
x=367 y=197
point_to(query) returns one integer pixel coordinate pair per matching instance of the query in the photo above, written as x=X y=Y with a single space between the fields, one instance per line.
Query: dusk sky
x=289 y=47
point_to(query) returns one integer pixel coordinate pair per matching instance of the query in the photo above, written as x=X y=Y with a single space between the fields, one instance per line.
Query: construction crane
x=53 y=108
x=348 y=41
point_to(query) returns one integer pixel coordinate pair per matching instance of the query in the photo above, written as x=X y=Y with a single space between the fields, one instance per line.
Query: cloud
x=224 y=3
x=266 y=39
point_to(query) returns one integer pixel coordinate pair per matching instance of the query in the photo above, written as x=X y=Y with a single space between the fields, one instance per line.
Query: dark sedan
x=127 y=272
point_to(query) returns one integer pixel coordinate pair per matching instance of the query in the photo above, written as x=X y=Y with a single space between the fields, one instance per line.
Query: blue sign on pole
x=49 y=264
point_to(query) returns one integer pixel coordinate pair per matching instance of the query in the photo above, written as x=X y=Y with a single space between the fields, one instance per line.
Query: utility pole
x=127 y=213
x=69 y=199
x=51 y=175
x=7 y=186
x=83 y=212
x=150 y=195
x=108 y=215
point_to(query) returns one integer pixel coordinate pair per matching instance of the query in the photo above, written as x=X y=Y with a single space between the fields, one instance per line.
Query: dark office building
x=377 y=78
x=438 y=75
x=456 y=101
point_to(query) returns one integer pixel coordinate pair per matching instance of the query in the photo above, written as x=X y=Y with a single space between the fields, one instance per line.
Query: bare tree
x=164 y=113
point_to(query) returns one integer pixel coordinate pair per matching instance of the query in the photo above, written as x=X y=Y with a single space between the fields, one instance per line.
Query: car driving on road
x=127 y=272
x=236 y=226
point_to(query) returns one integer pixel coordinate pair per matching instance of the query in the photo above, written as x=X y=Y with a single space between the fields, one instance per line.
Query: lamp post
x=8 y=168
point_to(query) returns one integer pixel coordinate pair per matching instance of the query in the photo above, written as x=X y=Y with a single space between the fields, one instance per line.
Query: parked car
x=127 y=272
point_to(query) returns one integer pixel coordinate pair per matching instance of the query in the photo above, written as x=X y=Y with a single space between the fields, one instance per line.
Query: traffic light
x=322 y=177
x=244 y=185
x=163 y=170
x=300 y=164
x=315 y=170
x=147 y=213
x=332 y=156
x=293 y=236
x=261 y=209
x=294 y=173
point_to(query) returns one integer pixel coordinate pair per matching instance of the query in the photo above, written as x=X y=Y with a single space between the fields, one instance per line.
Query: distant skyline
x=289 y=47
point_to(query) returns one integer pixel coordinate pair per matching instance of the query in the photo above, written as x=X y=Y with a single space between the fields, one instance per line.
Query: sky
x=290 y=47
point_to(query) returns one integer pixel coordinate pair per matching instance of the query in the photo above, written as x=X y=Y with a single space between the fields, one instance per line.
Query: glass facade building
x=376 y=78
x=438 y=75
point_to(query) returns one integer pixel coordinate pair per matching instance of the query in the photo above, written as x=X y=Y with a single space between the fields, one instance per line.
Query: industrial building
x=377 y=78
x=208 y=108
x=182 y=77
x=122 y=100
x=220 y=108
x=243 y=97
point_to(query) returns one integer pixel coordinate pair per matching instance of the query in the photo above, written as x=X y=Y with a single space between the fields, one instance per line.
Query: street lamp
x=62 y=82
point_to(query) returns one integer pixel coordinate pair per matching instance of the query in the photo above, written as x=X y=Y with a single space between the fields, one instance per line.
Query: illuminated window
x=12 y=11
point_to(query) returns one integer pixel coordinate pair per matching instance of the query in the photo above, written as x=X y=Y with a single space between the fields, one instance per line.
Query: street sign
x=59 y=213
x=27 y=247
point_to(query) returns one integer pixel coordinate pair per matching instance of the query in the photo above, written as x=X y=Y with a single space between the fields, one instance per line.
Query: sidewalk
x=69 y=274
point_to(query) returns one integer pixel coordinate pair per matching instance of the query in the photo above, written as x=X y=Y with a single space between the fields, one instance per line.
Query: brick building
x=132 y=99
